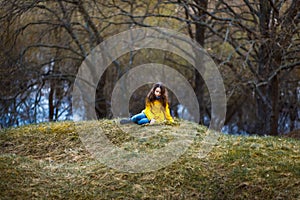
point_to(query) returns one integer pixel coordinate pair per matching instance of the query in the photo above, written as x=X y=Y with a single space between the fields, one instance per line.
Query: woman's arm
x=148 y=112
x=168 y=115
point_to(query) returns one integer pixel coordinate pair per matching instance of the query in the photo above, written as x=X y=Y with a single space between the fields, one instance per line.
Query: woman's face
x=157 y=92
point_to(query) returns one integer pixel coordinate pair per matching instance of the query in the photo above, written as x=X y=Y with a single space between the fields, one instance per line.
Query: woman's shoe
x=126 y=121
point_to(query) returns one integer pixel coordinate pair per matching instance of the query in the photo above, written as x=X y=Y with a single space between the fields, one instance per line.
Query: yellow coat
x=155 y=110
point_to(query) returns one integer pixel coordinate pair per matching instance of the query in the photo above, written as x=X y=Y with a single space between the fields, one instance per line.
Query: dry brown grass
x=49 y=161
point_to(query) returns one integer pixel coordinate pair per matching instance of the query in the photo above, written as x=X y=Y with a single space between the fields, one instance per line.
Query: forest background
x=254 y=43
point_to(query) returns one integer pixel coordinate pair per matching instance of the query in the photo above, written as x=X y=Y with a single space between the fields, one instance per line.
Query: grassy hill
x=49 y=161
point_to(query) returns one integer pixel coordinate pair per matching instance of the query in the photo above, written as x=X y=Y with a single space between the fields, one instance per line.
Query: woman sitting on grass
x=156 y=109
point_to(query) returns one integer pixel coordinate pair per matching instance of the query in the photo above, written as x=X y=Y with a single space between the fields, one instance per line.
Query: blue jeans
x=140 y=119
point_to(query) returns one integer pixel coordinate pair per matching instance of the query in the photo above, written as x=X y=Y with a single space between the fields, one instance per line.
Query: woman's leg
x=138 y=117
x=143 y=121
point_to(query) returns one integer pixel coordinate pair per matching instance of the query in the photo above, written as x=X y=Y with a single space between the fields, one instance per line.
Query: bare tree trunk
x=293 y=108
x=263 y=98
x=200 y=7
x=51 y=101
x=271 y=52
x=275 y=105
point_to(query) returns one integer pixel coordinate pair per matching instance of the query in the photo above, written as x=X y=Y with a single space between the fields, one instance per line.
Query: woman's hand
x=152 y=121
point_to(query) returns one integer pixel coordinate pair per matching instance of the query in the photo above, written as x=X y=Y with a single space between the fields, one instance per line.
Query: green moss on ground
x=49 y=161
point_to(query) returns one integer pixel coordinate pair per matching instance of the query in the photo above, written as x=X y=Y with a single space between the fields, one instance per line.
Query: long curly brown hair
x=163 y=97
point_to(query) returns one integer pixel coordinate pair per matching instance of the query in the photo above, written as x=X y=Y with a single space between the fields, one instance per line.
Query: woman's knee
x=138 y=117
x=143 y=121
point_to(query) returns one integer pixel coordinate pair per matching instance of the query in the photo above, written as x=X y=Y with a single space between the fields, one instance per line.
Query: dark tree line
x=255 y=44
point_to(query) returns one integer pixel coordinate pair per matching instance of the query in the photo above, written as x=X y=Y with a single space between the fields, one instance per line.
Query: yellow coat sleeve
x=148 y=112
x=168 y=115
x=155 y=111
